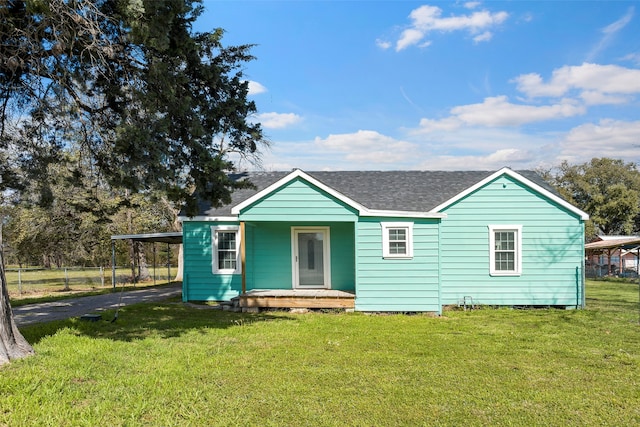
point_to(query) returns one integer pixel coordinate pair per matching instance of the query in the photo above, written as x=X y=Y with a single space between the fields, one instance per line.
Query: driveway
x=75 y=307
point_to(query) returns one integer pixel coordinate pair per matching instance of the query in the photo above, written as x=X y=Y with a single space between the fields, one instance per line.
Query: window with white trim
x=397 y=239
x=226 y=249
x=505 y=250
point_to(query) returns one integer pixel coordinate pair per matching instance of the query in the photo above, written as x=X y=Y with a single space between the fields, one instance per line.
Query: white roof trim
x=290 y=177
x=506 y=171
x=402 y=214
x=208 y=218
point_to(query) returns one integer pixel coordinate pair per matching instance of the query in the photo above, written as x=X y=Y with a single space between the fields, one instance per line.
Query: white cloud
x=497 y=112
x=511 y=157
x=609 y=33
x=593 y=97
x=608 y=138
x=368 y=147
x=383 y=44
x=484 y=37
x=426 y=19
x=632 y=57
x=604 y=79
x=278 y=120
x=446 y=124
x=472 y=4
x=467 y=148
x=409 y=37
x=256 y=88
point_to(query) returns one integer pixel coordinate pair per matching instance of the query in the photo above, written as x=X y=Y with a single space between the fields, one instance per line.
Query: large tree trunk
x=12 y=343
x=180 y=272
x=143 y=268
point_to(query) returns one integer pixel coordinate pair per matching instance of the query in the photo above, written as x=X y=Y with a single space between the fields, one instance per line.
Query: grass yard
x=174 y=364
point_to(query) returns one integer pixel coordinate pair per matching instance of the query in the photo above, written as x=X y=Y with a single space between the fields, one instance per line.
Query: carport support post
x=243 y=258
x=113 y=263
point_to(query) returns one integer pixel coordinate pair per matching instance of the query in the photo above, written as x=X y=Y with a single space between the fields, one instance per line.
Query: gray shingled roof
x=413 y=191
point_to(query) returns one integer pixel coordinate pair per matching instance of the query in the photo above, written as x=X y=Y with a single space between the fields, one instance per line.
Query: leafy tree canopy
x=129 y=85
x=144 y=101
x=607 y=189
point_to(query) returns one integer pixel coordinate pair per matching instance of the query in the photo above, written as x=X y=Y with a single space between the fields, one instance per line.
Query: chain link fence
x=33 y=281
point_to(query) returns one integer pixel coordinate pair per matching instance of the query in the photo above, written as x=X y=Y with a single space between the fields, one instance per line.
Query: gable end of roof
x=523 y=180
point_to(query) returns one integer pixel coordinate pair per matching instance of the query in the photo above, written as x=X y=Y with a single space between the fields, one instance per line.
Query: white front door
x=311 y=267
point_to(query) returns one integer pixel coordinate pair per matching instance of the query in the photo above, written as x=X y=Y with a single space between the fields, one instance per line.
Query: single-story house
x=400 y=241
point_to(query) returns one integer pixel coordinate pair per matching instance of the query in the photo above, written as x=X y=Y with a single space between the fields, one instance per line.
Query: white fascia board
x=290 y=177
x=208 y=218
x=506 y=171
x=402 y=214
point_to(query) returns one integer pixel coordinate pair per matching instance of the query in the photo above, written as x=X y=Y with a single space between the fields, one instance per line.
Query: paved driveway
x=75 y=307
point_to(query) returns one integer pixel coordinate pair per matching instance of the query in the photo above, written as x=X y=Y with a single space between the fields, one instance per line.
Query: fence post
x=66 y=280
x=102 y=276
x=19 y=281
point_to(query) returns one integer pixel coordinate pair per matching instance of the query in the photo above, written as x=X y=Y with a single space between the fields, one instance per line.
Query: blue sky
x=404 y=85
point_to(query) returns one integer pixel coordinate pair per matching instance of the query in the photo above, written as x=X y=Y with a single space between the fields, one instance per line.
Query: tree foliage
x=144 y=101
x=151 y=103
x=74 y=228
x=607 y=189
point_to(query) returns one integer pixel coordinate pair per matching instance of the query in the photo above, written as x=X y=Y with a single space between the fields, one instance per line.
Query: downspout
x=243 y=258
x=440 y=267
x=583 y=299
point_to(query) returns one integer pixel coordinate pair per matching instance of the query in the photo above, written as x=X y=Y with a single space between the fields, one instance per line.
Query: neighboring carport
x=631 y=243
x=171 y=238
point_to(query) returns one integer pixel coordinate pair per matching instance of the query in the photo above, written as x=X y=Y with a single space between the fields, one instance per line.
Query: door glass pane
x=311 y=259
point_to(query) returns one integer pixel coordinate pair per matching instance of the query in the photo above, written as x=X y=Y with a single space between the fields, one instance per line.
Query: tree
x=148 y=103
x=607 y=189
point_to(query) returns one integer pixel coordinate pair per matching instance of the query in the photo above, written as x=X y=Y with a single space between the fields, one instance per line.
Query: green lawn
x=173 y=364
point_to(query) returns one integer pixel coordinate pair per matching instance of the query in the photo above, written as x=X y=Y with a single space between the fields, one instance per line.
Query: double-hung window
x=226 y=249
x=397 y=239
x=505 y=250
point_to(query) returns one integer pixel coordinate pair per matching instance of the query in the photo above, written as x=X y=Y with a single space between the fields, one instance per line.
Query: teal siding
x=552 y=248
x=298 y=200
x=268 y=259
x=200 y=284
x=397 y=284
x=269 y=255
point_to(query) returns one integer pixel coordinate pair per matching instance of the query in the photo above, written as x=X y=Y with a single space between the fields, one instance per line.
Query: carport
x=631 y=244
x=170 y=238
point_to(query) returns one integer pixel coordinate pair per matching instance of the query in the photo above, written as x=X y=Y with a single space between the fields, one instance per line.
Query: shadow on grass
x=140 y=321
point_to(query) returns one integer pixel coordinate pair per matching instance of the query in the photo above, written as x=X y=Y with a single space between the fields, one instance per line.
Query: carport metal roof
x=622 y=243
x=171 y=238
x=174 y=238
